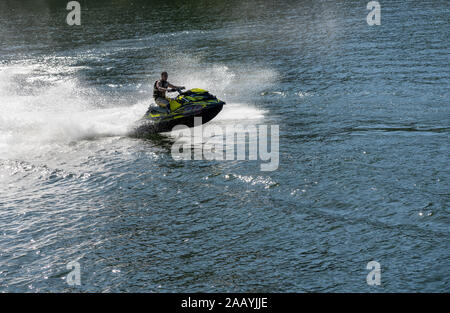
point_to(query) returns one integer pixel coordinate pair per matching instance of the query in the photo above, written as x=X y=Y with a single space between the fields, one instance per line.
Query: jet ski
x=184 y=108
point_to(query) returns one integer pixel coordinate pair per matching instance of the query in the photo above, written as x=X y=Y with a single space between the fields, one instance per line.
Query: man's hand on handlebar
x=179 y=89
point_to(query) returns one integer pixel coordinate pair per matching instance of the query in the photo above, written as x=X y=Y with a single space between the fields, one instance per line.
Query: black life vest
x=156 y=92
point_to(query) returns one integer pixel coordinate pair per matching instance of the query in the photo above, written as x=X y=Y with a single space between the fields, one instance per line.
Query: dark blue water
x=364 y=121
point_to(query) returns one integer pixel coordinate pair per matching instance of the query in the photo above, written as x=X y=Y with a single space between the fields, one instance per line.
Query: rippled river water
x=363 y=113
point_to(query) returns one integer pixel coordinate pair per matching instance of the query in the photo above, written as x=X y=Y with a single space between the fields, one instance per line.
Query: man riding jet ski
x=181 y=110
x=159 y=91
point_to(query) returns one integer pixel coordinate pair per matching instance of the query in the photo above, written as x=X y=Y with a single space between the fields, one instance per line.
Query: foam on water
x=240 y=112
x=236 y=81
x=40 y=116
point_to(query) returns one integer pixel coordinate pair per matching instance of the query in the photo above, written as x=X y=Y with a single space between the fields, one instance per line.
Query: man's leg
x=164 y=103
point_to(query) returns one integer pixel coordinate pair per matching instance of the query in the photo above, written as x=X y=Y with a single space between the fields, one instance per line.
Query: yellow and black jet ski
x=183 y=109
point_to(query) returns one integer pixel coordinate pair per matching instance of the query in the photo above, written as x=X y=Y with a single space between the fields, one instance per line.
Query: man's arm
x=175 y=87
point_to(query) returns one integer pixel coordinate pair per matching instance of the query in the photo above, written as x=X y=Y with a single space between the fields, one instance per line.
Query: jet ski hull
x=166 y=125
x=184 y=110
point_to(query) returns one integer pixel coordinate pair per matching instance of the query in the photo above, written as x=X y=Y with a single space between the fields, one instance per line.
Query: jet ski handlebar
x=179 y=90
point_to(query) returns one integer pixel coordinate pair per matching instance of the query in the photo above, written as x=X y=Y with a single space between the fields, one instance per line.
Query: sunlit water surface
x=364 y=147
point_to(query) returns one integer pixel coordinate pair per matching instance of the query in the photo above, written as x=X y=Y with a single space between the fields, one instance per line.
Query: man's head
x=164 y=76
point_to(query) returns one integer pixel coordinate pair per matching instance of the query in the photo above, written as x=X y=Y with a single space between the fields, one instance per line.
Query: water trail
x=37 y=116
